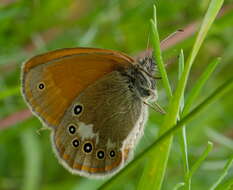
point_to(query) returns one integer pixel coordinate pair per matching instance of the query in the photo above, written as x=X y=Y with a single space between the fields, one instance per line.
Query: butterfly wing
x=100 y=127
x=51 y=81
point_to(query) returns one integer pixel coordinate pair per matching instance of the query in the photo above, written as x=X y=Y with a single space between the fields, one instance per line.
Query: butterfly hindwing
x=97 y=132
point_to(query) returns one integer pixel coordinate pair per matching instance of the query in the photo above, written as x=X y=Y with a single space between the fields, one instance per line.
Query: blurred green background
x=29 y=27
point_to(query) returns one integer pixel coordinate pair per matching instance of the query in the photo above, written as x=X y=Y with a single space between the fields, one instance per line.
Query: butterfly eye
x=112 y=154
x=72 y=128
x=77 y=109
x=41 y=86
x=75 y=143
x=100 y=154
x=130 y=87
x=87 y=147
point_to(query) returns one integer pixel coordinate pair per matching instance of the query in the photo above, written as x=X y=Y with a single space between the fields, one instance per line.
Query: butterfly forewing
x=51 y=81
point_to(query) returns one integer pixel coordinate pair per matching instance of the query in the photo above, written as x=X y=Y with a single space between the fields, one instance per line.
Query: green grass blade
x=184 y=149
x=159 y=60
x=223 y=175
x=143 y=182
x=158 y=55
x=195 y=91
x=177 y=186
x=159 y=163
x=219 y=138
x=180 y=71
x=198 y=163
x=189 y=102
x=181 y=64
x=32 y=160
x=10 y=92
x=226 y=185
x=219 y=92
x=182 y=134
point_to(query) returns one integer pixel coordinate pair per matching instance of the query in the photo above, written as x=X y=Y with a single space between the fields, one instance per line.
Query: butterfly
x=95 y=103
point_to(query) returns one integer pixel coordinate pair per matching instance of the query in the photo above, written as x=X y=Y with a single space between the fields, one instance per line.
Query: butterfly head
x=148 y=64
x=142 y=80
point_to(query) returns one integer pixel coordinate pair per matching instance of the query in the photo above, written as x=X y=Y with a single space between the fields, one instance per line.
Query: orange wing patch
x=58 y=54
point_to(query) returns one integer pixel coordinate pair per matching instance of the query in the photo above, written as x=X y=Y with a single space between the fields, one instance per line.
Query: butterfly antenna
x=173 y=34
x=156 y=108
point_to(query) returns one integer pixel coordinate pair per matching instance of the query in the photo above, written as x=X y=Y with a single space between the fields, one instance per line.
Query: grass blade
x=195 y=91
x=219 y=92
x=182 y=135
x=223 y=175
x=189 y=102
x=10 y=92
x=159 y=163
x=32 y=161
x=179 y=185
x=219 y=138
x=158 y=55
x=159 y=60
x=227 y=185
x=198 y=163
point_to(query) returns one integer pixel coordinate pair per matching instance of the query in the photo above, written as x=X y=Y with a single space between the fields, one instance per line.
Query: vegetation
x=190 y=147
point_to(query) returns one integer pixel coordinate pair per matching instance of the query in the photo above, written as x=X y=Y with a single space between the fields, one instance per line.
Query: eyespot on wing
x=63 y=74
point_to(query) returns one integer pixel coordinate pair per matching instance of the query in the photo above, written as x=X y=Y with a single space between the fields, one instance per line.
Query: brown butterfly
x=95 y=102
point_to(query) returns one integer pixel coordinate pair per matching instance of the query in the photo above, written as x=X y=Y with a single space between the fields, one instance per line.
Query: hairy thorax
x=140 y=79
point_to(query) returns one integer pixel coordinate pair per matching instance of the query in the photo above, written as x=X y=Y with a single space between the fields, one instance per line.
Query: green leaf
x=10 y=92
x=159 y=163
x=219 y=138
x=182 y=134
x=198 y=163
x=158 y=55
x=179 y=185
x=195 y=91
x=226 y=185
x=32 y=163
x=223 y=175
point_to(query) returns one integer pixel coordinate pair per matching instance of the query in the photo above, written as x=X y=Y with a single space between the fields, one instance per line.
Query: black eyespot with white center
x=41 y=86
x=72 y=129
x=112 y=154
x=75 y=143
x=87 y=147
x=78 y=109
x=100 y=154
